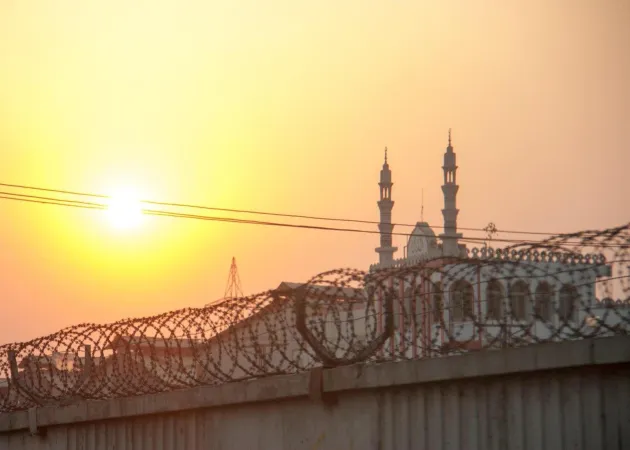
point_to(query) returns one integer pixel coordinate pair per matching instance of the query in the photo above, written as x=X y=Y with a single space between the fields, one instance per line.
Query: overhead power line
x=265 y=213
x=100 y=206
x=58 y=202
x=13 y=196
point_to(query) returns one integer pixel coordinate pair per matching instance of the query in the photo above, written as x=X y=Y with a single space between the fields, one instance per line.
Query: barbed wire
x=548 y=291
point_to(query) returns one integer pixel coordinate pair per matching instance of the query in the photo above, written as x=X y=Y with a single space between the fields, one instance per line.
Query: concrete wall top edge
x=552 y=356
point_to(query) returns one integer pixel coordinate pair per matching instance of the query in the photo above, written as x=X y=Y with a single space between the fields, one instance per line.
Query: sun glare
x=124 y=210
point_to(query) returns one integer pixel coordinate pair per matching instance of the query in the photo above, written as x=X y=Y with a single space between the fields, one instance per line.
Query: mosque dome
x=422 y=241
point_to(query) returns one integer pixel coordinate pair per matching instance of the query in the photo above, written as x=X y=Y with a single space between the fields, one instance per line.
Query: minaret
x=450 y=245
x=385 y=205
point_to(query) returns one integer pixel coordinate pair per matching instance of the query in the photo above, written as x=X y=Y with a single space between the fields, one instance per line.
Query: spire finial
x=449 y=137
x=385 y=155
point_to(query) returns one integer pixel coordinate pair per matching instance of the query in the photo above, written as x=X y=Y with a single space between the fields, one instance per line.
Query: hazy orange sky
x=286 y=106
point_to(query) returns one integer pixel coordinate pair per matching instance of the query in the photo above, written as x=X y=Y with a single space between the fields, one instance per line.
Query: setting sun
x=124 y=210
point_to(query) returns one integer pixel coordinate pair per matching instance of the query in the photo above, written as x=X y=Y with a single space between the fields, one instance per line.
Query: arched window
x=461 y=300
x=418 y=299
x=412 y=306
x=544 y=297
x=436 y=302
x=398 y=305
x=569 y=298
x=494 y=295
x=519 y=300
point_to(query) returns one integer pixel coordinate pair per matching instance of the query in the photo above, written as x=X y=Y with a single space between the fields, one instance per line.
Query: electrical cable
x=247 y=211
x=92 y=205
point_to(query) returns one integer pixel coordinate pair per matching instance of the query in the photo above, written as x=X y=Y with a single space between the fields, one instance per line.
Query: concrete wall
x=552 y=396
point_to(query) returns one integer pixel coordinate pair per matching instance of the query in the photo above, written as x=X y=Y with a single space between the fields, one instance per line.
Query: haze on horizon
x=286 y=107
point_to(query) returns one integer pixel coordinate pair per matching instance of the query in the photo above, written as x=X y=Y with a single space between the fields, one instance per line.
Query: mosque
x=422 y=244
x=470 y=298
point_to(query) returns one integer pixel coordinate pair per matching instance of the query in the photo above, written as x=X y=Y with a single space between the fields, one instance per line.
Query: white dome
x=422 y=241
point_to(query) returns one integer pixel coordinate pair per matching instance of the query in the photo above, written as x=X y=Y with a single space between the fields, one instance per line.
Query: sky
x=287 y=106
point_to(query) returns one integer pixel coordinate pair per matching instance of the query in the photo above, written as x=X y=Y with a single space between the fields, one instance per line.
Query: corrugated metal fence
x=571 y=395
